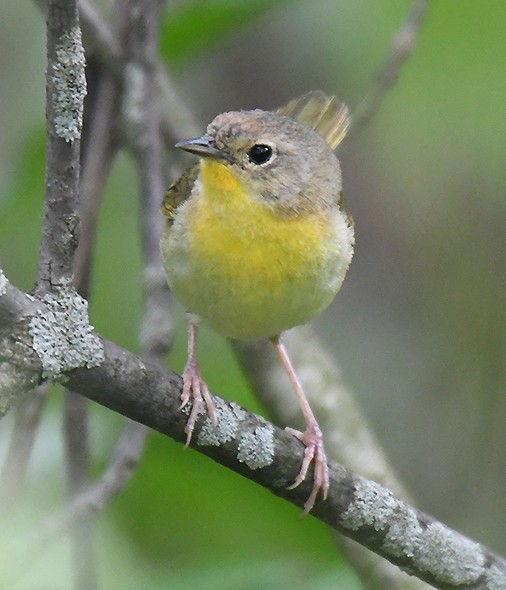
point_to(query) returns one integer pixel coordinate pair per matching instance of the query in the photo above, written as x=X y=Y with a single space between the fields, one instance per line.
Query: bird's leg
x=194 y=386
x=311 y=437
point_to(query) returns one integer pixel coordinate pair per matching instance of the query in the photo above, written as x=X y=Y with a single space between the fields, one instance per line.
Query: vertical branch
x=76 y=439
x=139 y=33
x=142 y=116
x=27 y=418
x=65 y=92
x=141 y=110
x=98 y=154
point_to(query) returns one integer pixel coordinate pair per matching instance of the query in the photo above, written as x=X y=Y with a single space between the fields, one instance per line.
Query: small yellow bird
x=257 y=240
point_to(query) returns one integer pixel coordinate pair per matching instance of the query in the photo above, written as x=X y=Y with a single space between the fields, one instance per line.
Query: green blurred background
x=418 y=328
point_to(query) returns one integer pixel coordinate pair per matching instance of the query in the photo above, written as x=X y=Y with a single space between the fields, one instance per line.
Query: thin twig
x=99 y=36
x=76 y=439
x=176 y=118
x=90 y=502
x=28 y=414
x=99 y=154
x=141 y=115
x=401 y=48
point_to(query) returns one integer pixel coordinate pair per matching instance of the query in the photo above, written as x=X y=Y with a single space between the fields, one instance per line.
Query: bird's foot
x=315 y=452
x=196 y=390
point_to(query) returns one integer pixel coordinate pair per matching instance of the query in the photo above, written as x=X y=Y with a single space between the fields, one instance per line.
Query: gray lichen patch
x=495 y=579
x=62 y=335
x=403 y=533
x=452 y=558
x=70 y=85
x=372 y=505
x=3 y=283
x=229 y=418
x=256 y=448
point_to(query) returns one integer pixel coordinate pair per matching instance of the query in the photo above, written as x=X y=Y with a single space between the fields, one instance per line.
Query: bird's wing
x=178 y=192
x=325 y=114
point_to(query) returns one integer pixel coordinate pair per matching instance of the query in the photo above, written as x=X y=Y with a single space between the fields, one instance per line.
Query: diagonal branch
x=401 y=47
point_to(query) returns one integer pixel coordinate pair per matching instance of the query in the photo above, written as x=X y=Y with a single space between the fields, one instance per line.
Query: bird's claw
x=315 y=452
x=195 y=389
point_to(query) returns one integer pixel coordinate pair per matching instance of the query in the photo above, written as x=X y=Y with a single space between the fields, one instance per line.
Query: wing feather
x=178 y=192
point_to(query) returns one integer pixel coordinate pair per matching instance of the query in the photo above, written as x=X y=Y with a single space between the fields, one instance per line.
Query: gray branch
x=66 y=89
x=28 y=413
x=246 y=443
x=139 y=36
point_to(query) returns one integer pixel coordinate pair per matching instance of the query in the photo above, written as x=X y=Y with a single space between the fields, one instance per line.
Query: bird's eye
x=260 y=154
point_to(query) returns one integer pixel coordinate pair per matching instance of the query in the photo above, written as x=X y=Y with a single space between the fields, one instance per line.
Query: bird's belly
x=241 y=301
x=256 y=282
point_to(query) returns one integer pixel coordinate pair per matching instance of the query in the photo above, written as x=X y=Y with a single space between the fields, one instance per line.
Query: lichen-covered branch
x=66 y=89
x=17 y=373
x=359 y=508
x=139 y=37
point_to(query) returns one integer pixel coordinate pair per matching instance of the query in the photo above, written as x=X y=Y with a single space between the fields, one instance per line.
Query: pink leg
x=194 y=386
x=311 y=437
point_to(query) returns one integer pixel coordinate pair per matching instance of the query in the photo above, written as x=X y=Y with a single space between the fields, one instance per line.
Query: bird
x=257 y=240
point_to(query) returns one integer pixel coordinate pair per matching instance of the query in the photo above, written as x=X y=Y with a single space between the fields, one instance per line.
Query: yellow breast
x=248 y=271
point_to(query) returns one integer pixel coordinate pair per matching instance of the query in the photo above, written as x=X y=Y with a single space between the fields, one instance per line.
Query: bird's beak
x=205 y=147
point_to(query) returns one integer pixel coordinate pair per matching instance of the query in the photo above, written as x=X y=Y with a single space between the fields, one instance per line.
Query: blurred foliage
x=194 y=26
x=419 y=326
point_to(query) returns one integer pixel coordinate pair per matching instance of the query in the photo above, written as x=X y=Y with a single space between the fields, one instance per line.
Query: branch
x=95 y=498
x=176 y=119
x=17 y=374
x=77 y=464
x=66 y=89
x=28 y=413
x=401 y=47
x=347 y=436
x=141 y=110
x=156 y=328
x=246 y=443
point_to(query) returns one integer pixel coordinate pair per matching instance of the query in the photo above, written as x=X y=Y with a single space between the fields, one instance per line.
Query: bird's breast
x=247 y=270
